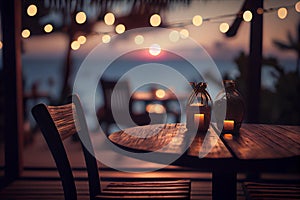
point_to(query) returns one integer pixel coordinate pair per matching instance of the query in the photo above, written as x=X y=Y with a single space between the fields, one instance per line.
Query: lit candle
x=199 y=120
x=228 y=125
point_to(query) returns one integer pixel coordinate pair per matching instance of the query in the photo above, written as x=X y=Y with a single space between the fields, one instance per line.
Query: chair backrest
x=58 y=123
x=121 y=93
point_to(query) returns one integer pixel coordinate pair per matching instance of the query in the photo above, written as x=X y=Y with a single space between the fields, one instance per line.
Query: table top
x=255 y=142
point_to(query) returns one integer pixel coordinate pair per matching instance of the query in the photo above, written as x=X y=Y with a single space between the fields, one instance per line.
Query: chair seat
x=258 y=190
x=179 y=189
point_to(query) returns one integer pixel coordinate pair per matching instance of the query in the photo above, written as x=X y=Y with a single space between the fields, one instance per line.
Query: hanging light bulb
x=282 y=13
x=80 y=17
x=155 y=20
x=81 y=39
x=48 y=28
x=247 y=16
x=120 y=28
x=224 y=27
x=109 y=19
x=75 y=45
x=197 y=20
x=25 y=33
x=32 y=10
x=184 y=33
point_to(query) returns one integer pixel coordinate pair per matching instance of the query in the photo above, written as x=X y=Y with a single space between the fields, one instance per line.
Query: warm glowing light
x=31 y=10
x=228 y=125
x=155 y=108
x=199 y=120
x=120 y=28
x=25 y=33
x=297 y=6
x=109 y=19
x=228 y=136
x=160 y=93
x=75 y=45
x=48 y=28
x=106 y=39
x=197 y=20
x=81 y=39
x=282 y=13
x=174 y=36
x=80 y=17
x=247 y=16
x=154 y=49
x=155 y=20
x=260 y=11
x=139 y=39
x=224 y=27
x=1 y=45
x=184 y=33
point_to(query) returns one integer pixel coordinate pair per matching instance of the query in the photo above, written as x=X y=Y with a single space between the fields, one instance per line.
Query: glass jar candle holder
x=198 y=110
x=235 y=108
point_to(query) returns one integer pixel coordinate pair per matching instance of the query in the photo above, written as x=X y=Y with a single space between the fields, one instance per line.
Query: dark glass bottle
x=198 y=110
x=235 y=107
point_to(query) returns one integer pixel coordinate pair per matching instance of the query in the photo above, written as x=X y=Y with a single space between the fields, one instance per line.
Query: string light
x=197 y=20
x=139 y=39
x=32 y=10
x=174 y=36
x=106 y=38
x=80 y=17
x=109 y=19
x=120 y=28
x=48 y=28
x=25 y=33
x=75 y=45
x=81 y=39
x=155 y=20
x=282 y=13
x=247 y=16
x=184 y=33
x=224 y=27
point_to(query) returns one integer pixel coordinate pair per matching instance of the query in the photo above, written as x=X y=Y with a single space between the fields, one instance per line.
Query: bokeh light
x=120 y=28
x=80 y=17
x=197 y=20
x=81 y=39
x=174 y=36
x=160 y=93
x=154 y=49
x=109 y=19
x=1 y=45
x=184 y=33
x=139 y=39
x=224 y=27
x=48 y=28
x=32 y=10
x=106 y=38
x=75 y=45
x=155 y=20
x=247 y=16
x=25 y=33
x=155 y=108
x=260 y=11
x=282 y=13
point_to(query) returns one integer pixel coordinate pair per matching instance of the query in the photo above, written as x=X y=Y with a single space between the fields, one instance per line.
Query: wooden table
x=258 y=147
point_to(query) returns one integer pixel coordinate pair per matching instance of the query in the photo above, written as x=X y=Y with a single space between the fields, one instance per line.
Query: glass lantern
x=235 y=109
x=198 y=111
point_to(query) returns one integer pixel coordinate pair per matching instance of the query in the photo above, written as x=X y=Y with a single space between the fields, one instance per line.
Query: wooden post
x=254 y=64
x=12 y=82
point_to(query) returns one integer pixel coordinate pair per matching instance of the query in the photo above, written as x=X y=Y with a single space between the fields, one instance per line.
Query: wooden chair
x=60 y=122
x=122 y=92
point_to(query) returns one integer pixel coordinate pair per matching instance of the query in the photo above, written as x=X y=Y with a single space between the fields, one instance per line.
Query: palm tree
x=292 y=44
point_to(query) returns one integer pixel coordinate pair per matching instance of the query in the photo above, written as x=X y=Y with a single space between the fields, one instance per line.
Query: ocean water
x=48 y=73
